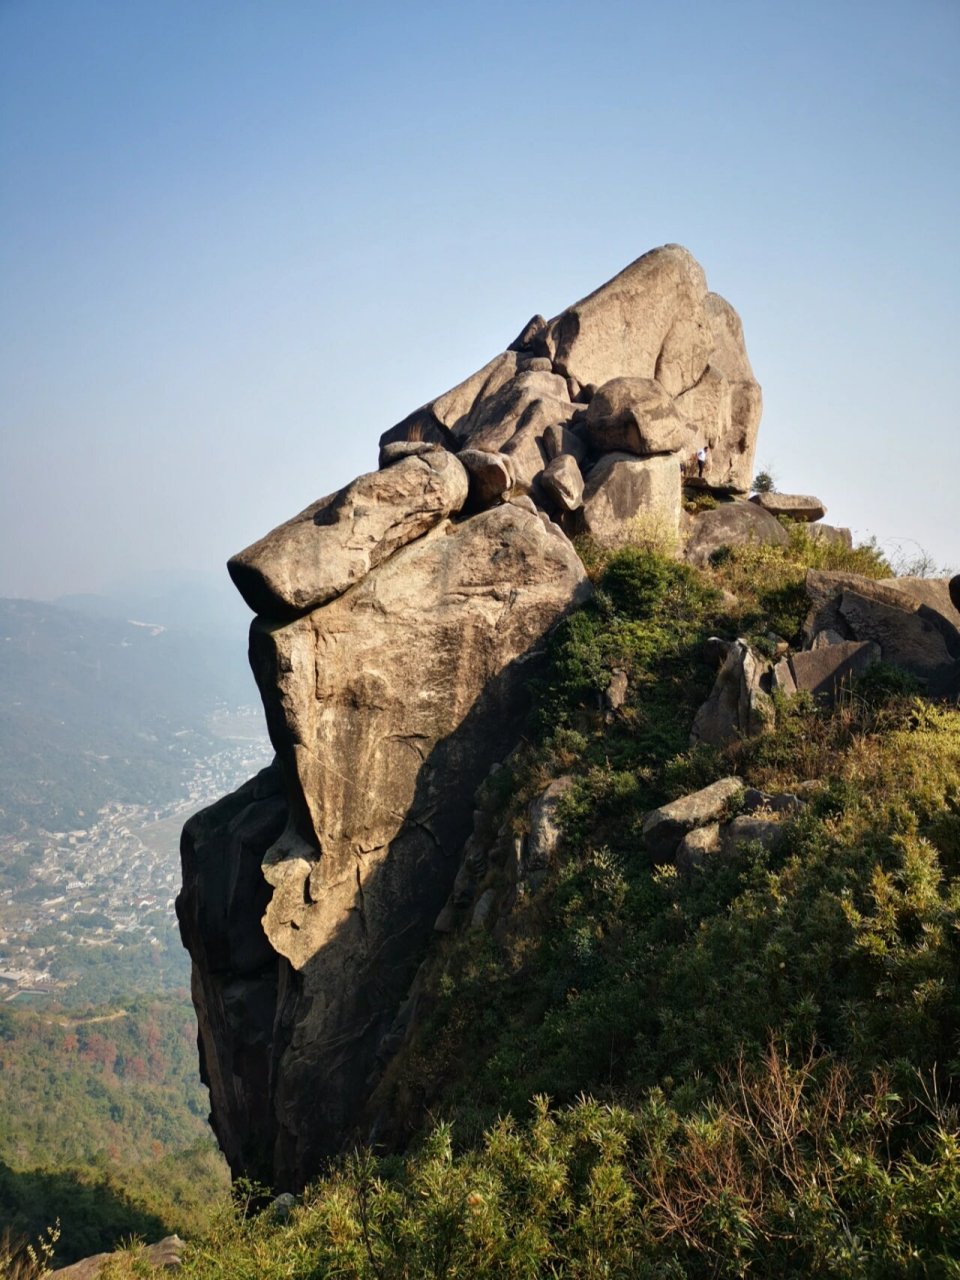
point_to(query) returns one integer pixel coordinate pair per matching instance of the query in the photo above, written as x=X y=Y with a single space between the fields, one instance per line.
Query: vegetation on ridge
x=751 y=1069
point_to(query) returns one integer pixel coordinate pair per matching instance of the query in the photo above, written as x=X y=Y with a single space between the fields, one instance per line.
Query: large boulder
x=635 y=415
x=387 y=708
x=563 y=481
x=795 y=505
x=628 y=497
x=730 y=524
x=647 y=322
x=336 y=541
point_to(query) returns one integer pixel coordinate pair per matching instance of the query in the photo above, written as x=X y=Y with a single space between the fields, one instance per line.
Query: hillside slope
x=744 y=1066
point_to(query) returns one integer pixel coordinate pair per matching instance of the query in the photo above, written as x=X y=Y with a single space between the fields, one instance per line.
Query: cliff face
x=399 y=623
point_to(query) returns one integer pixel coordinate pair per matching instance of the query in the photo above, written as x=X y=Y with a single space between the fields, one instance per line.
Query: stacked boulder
x=399 y=623
x=596 y=415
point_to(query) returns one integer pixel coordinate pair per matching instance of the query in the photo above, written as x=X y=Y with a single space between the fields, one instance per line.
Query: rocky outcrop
x=166 y=1255
x=665 y=828
x=796 y=506
x=649 y=363
x=739 y=705
x=909 y=632
x=399 y=625
x=387 y=706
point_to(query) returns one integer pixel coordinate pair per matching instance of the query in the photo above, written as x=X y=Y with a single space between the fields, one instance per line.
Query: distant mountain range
x=108 y=698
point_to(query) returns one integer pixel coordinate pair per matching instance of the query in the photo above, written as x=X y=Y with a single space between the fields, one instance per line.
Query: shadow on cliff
x=94 y=1214
x=321 y=1088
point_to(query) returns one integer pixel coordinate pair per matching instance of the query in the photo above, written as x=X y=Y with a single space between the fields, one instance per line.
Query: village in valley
x=84 y=909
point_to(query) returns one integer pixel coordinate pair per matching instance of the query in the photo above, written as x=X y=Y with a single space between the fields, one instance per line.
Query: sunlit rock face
x=400 y=624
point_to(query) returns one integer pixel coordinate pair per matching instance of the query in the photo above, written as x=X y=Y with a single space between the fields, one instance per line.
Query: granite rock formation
x=398 y=625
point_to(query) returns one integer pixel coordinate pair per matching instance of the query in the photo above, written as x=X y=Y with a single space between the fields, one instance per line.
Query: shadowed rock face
x=399 y=624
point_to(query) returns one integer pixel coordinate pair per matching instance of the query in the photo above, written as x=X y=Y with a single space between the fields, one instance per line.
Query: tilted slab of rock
x=729 y=525
x=387 y=707
x=635 y=415
x=911 y=634
x=795 y=505
x=664 y=828
x=628 y=497
x=335 y=542
x=826 y=670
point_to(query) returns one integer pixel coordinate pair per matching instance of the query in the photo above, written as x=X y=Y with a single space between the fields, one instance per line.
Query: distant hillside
x=97 y=707
x=102 y=1124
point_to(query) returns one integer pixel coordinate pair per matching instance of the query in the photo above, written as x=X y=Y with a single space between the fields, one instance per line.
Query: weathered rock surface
x=795 y=505
x=166 y=1255
x=387 y=708
x=664 y=828
x=739 y=706
x=728 y=525
x=696 y=846
x=909 y=632
x=745 y=829
x=824 y=671
x=563 y=481
x=335 y=542
x=625 y=496
x=647 y=322
x=236 y=972
x=953 y=589
x=636 y=415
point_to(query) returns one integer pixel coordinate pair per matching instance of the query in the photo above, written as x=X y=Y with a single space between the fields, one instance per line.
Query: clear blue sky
x=239 y=239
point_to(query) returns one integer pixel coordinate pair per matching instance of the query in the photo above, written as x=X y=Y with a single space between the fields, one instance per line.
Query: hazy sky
x=239 y=239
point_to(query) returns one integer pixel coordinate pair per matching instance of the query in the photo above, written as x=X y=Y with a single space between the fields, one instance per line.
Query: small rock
x=524 y=502
x=563 y=481
x=697 y=845
x=559 y=439
x=745 y=829
x=534 y=364
x=282 y=1207
x=491 y=474
x=616 y=692
x=484 y=908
